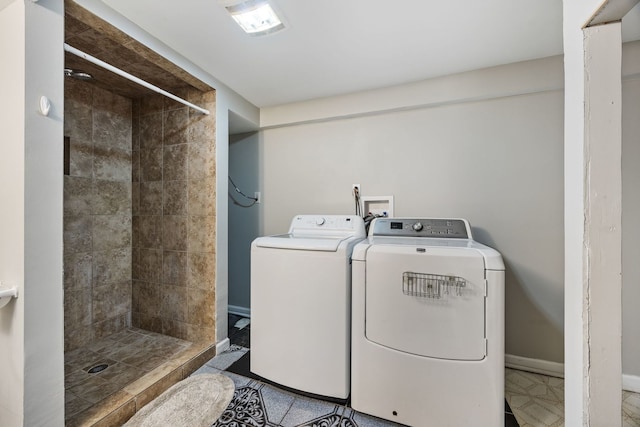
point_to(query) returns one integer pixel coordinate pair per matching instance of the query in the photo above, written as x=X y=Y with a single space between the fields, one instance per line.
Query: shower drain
x=98 y=368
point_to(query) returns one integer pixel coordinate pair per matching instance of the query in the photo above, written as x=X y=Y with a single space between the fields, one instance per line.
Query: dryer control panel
x=441 y=228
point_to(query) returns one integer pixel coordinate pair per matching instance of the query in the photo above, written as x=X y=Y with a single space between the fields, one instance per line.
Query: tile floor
x=538 y=400
x=257 y=403
x=534 y=400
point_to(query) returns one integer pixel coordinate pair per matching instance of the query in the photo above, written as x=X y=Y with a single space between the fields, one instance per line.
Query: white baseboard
x=222 y=346
x=554 y=369
x=545 y=367
x=631 y=383
x=240 y=311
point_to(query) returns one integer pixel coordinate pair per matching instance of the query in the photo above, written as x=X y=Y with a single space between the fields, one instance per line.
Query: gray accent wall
x=244 y=222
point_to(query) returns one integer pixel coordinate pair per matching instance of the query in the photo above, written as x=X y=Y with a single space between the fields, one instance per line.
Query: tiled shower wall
x=97 y=214
x=174 y=216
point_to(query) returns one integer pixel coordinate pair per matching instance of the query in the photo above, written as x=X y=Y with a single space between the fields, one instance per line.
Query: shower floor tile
x=129 y=355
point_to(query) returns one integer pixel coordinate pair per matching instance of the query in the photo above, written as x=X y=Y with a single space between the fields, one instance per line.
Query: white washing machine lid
x=317 y=233
x=303 y=243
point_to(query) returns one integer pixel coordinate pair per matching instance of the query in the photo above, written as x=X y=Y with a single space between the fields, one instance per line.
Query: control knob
x=417 y=226
x=320 y=221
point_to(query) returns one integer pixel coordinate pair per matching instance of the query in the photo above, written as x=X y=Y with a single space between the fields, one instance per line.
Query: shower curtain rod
x=133 y=78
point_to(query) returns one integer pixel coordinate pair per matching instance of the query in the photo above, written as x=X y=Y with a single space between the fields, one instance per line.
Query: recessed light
x=256 y=17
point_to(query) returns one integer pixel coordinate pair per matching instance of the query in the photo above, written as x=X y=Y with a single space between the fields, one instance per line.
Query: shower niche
x=139 y=225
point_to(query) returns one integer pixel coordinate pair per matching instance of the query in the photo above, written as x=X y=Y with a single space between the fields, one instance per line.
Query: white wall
x=31 y=359
x=485 y=145
x=12 y=81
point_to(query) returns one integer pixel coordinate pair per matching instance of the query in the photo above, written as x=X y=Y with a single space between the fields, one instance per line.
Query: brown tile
x=157 y=387
x=204 y=99
x=175 y=162
x=150 y=231
x=201 y=270
x=174 y=303
x=74 y=377
x=148 y=298
x=202 y=160
x=202 y=234
x=77 y=271
x=110 y=326
x=195 y=363
x=135 y=231
x=77 y=305
x=74 y=404
x=175 y=198
x=77 y=359
x=202 y=128
x=111 y=300
x=151 y=164
x=111 y=131
x=112 y=266
x=151 y=104
x=174 y=232
x=151 y=198
x=92 y=42
x=119 y=416
x=175 y=126
x=135 y=263
x=111 y=164
x=135 y=126
x=111 y=197
x=150 y=323
x=111 y=232
x=135 y=165
x=174 y=268
x=201 y=307
x=145 y=360
x=105 y=412
x=135 y=198
x=174 y=328
x=121 y=374
x=78 y=196
x=170 y=104
x=116 y=105
x=76 y=336
x=77 y=233
x=80 y=157
x=78 y=91
x=94 y=389
x=150 y=265
x=202 y=197
x=150 y=131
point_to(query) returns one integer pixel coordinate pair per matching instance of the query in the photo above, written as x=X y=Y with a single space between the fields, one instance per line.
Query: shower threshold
x=140 y=366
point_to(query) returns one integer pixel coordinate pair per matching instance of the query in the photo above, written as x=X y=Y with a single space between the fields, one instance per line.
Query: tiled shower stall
x=139 y=215
x=139 y=247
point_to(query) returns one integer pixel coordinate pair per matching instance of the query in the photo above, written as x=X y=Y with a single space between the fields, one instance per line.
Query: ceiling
x=332 y=47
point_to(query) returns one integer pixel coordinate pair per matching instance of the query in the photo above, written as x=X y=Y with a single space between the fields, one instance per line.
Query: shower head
x=77 y=74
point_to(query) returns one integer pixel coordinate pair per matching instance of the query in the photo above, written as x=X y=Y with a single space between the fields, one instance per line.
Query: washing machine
x=301 y=304
x=427 y=325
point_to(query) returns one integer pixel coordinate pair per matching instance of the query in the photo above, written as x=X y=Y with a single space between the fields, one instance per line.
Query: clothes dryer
x=428 y=325
x=301 y=304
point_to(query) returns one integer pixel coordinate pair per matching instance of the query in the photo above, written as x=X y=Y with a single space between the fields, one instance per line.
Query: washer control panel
x=441 y=228
x=327 y=224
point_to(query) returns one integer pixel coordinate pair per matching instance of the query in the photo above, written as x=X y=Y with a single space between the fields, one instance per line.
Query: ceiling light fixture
x=256 y=17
